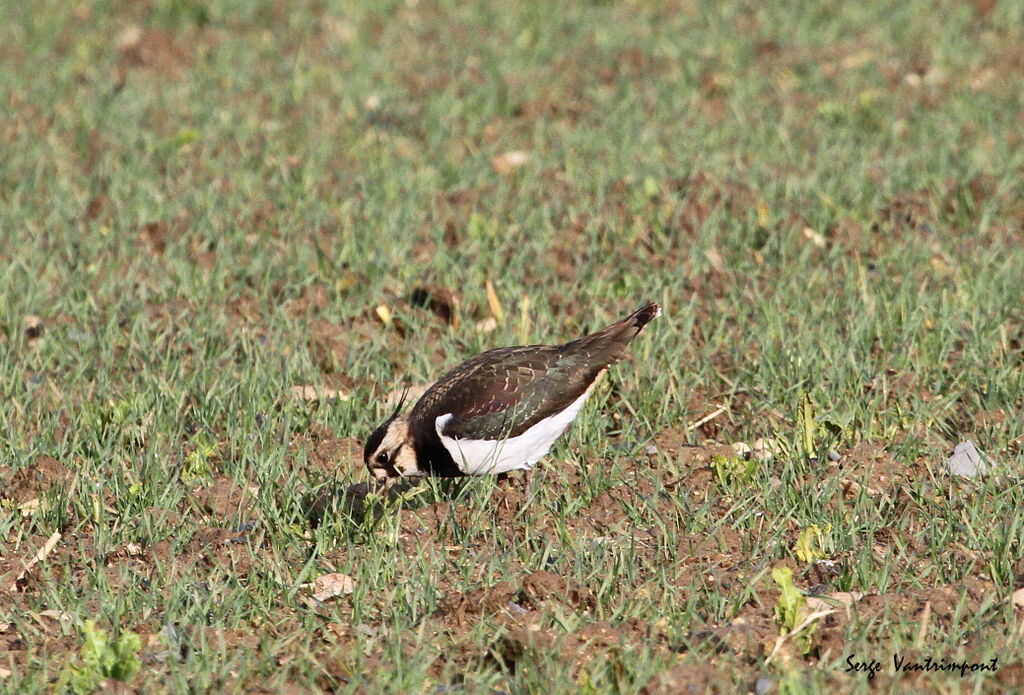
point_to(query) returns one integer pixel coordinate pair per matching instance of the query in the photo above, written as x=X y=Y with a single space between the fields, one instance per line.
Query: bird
x=499 y=411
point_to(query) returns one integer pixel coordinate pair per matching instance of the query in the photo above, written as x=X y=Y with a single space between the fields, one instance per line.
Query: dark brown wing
x=503 y=392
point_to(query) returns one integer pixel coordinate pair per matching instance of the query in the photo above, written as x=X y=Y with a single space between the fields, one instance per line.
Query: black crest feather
x=374 y=440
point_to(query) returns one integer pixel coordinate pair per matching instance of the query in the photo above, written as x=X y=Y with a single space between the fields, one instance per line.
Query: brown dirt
x=526 y=610
x=33 y=481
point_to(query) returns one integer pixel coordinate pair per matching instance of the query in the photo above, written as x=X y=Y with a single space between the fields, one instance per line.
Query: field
x=233 y=231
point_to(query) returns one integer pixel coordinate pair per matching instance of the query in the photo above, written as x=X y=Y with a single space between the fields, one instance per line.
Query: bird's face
x=389 y=451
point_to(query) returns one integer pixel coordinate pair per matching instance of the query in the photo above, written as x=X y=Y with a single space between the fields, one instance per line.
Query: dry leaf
x=823 y=603
x=742 y=449
x=30 y=506
x=4 y=673
x=493 y=302
x=337 y=29
x=982 y=79
x=486 y=325
x=330 y=585
x=715 y=259
x=505 y=163
x=762 y=214
x=808 y=619
x=855 y=60
x=55 y=615
x=318 y=393
x=765 y=449
x=851 y=488
x=922 y=629
x=1018 y=598
x=129 y=38
x=815 y=238
x=36 y=559
x=707 y=418
x=524 y=319
x=337 y=630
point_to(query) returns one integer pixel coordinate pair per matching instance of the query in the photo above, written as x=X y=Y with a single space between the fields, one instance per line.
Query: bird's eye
x=382 y=457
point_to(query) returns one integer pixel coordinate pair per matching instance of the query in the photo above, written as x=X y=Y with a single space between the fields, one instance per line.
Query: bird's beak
x=380 y=476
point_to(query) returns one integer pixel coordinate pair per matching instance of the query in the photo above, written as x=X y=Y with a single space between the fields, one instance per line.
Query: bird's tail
x=643 y=316
x=608 y=345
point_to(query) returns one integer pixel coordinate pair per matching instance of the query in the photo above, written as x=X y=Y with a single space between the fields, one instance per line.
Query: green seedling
x=813 y=543
x=732 y=471
x=101 y=658
x=791 y=610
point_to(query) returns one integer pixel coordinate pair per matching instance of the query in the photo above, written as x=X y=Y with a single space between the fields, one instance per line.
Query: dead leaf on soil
x=507 y=162
x=338 y=29
x=765 y=449
x=29 y=507
x=851 y=488
x=59 y=616
x=318 y=393
x=813 y=237
x=715 y=259
x=810 y=618
x=328 y=586
x=1018 y=598
x=493 y=302
x=707 y=418
x=36 y=559
x=129 y=38
x=742 y=449
x=838 y=598
x=486 y=325
x=4 y=673
x=383 y=313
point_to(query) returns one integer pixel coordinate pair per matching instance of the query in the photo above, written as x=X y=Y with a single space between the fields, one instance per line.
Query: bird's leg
x=502 y=480
x=527 y=485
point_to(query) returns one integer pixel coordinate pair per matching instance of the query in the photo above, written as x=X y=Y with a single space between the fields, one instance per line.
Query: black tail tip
x=645 y=315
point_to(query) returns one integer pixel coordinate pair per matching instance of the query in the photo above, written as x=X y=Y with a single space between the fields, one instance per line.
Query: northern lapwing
x=501 y=410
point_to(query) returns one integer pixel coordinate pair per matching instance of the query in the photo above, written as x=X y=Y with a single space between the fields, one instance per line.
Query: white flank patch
x=483 y=456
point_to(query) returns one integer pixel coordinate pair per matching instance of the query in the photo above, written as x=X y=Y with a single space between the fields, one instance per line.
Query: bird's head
x=389 y=450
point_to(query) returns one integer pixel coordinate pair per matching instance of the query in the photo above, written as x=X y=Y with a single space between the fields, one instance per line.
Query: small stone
x=764 y=449
x=515 y=609
x=966 y=461
x=742 y=449
x=651 y=450
x=834 y=456
x=505 y=163
x=763 y=685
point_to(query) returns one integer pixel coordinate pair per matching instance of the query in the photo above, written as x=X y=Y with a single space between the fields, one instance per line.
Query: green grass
x=208 y=213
